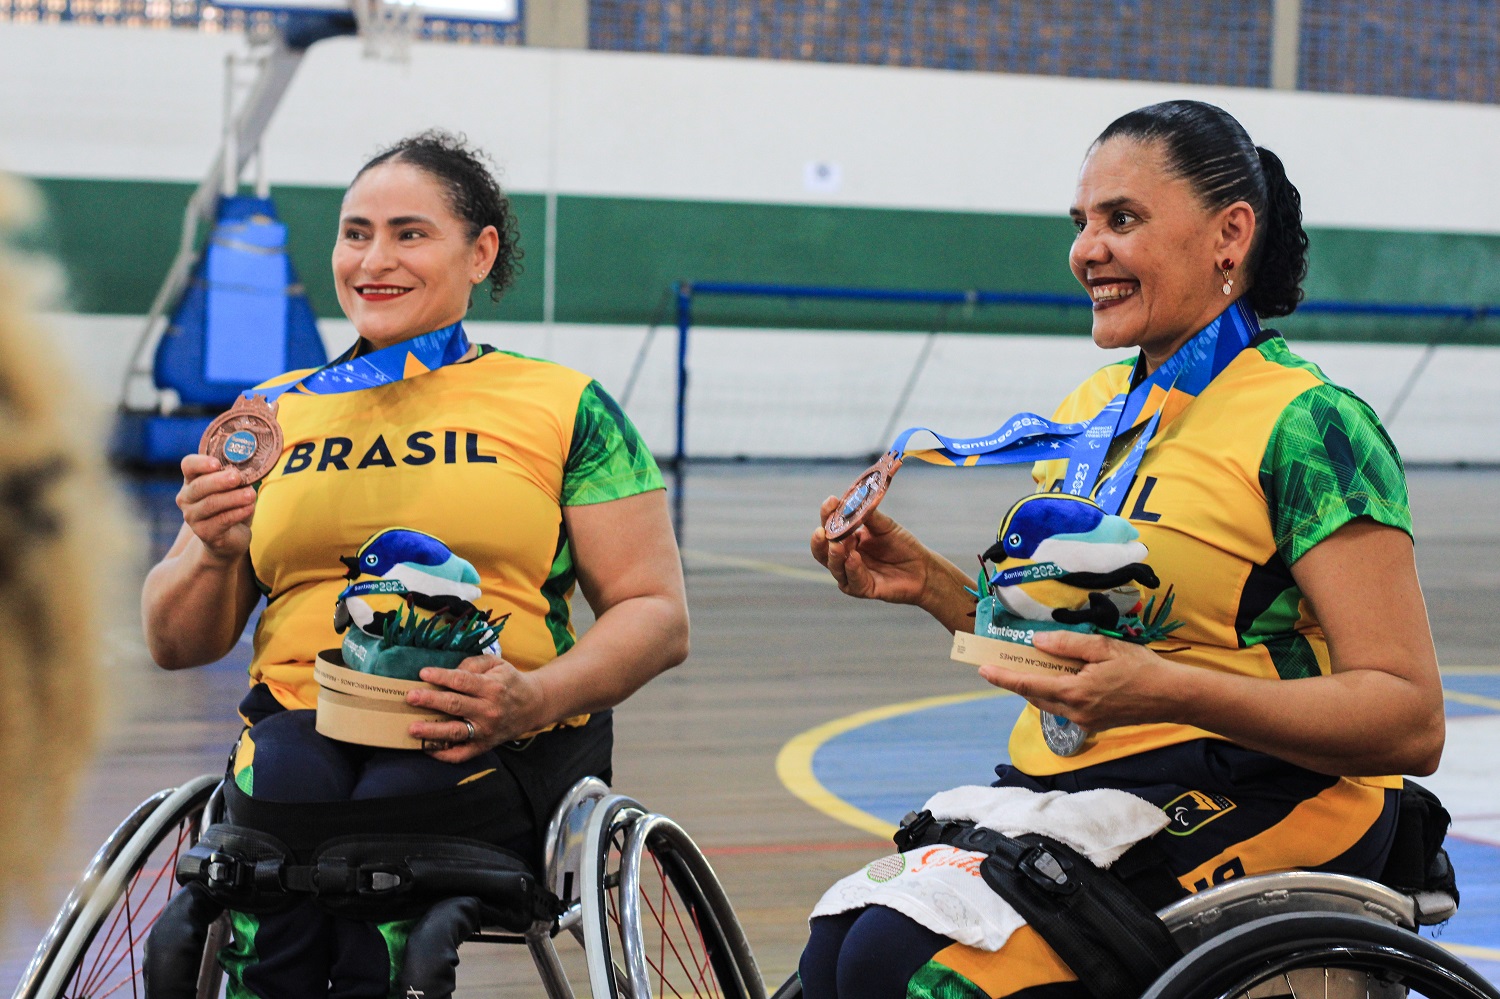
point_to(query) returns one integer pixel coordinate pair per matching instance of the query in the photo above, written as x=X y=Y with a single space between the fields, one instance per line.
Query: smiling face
x=404 y=263
x=1148 y=251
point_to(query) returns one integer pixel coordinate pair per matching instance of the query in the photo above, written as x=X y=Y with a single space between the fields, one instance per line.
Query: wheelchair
x=1303 y=934
x=633 y=889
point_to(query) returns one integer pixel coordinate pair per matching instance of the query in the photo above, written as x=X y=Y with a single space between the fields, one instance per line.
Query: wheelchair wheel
x=95 y=946
x=664 y=920
x=1301 y=954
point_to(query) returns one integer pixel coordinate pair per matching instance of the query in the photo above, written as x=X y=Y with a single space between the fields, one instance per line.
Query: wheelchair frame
x=600 y=850
x=1260 y=936
x=1303 y=933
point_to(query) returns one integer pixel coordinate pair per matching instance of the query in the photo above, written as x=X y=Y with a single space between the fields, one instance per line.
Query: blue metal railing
x=686 y=291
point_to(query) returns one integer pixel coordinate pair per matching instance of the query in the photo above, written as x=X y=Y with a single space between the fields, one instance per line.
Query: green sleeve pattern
x=607 y=459
x=1329 y=461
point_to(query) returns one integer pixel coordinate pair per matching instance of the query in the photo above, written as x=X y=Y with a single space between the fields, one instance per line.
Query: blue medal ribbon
x=351 y=373
x=1027 y=437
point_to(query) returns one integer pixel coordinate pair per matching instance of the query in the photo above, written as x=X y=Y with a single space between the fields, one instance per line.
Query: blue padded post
x=244 y=317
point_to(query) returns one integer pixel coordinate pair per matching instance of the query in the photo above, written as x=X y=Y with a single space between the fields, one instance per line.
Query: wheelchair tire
x=96 y=942
x=1258 y=954
x=598 y=877
x=663 y=919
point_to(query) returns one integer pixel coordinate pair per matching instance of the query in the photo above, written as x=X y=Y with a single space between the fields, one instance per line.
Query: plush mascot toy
x=1061 y=562
x=409 y=605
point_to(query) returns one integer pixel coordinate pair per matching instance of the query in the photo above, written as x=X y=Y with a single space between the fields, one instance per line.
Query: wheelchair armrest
x=1196 y=918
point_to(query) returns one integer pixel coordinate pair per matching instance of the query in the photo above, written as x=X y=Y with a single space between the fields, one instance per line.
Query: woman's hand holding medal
x=217 y=506
x=881 y=560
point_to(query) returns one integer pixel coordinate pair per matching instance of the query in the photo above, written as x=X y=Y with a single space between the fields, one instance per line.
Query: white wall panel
x=102 y=102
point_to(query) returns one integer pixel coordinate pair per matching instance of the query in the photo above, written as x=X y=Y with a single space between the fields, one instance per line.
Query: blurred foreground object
x=52 y=543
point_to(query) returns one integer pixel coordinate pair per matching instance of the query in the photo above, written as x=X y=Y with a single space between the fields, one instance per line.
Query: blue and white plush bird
x=1062 y=558
x=395 y=576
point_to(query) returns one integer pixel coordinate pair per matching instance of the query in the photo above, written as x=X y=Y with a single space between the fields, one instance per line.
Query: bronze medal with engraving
x=862 y=498
x=247 y=437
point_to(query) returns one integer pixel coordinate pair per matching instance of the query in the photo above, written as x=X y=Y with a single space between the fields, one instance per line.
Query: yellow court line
x=1476 y=700
x=1469 y=950
x=758 y=565
x=794 y=762
x=1469 y=670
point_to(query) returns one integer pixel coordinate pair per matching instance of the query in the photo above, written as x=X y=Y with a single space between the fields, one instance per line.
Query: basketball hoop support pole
x=278 y=64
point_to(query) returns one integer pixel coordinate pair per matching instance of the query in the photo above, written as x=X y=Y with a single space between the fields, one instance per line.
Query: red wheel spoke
x=705 y=969
x=693 y=969
x=140 y=906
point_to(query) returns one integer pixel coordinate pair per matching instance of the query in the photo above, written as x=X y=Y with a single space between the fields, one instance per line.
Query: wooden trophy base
x=977 y=650
x=365 y=709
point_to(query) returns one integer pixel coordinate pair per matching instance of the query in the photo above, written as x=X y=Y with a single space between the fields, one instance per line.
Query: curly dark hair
x=1210 y=149
x=474 y=195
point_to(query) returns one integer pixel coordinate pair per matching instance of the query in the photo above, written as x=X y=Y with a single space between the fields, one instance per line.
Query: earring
x=1224 y=270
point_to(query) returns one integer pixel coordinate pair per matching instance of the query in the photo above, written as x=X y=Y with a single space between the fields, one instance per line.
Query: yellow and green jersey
x=1268 y=461
x=482 y=455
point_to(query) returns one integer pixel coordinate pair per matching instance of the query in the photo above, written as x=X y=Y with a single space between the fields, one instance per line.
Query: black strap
x=1096 y=922
x=1114 y=944
x=365 y=877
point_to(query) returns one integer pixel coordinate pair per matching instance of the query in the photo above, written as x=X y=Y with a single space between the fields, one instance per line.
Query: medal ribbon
x=1163 y=394
x=350 y=373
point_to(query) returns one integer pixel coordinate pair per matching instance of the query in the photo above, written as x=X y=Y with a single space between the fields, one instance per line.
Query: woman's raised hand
x=216 y=506
x=881 y=560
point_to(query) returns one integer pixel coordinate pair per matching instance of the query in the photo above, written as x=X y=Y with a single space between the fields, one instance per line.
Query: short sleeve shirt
x=482 y=455
x=1267 y=462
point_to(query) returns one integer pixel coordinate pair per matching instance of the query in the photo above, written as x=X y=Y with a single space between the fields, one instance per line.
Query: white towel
x=940 y=886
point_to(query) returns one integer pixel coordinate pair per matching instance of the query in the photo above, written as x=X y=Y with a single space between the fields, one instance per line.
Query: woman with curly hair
x=493 y=480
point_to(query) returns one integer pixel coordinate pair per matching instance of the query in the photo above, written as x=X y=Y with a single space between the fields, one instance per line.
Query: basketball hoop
x=387 y=27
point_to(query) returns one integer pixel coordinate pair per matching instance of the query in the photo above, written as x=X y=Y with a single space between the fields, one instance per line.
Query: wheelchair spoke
x=112 y=962
x=698 y=970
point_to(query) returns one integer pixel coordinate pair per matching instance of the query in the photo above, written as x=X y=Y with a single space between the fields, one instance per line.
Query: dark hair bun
x=473 y=193
x=1206 y=146
x=1281 y=257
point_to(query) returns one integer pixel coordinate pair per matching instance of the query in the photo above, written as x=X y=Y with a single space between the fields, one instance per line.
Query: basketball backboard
x=477 y=11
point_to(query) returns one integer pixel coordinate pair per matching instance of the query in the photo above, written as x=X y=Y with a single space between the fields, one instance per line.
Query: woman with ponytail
x=1303 y=679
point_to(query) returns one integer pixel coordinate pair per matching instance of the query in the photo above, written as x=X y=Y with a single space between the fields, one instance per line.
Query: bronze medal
x=247 y=437
x=863 y=497
x=1063 y=737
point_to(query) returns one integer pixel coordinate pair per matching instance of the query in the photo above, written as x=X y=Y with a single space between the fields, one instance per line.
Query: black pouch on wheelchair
x=365 y=877
x=1417 y=861
x=1100 y=928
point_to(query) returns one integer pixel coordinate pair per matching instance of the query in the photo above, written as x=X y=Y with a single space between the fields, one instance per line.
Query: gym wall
x=653 y=169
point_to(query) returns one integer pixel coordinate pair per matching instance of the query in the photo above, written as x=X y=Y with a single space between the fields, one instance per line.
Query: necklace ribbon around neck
x=352 y=372
x=1026 y=437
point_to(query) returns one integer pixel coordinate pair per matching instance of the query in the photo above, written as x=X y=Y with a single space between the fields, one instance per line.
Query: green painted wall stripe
x=617 y=259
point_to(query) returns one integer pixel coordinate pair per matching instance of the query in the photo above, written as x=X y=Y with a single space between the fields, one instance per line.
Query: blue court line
x=869 y=769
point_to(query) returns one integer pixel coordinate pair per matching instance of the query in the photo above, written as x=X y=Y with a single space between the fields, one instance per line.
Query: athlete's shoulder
x=1096 y=390
x=514 y=362
x=1313 y=391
